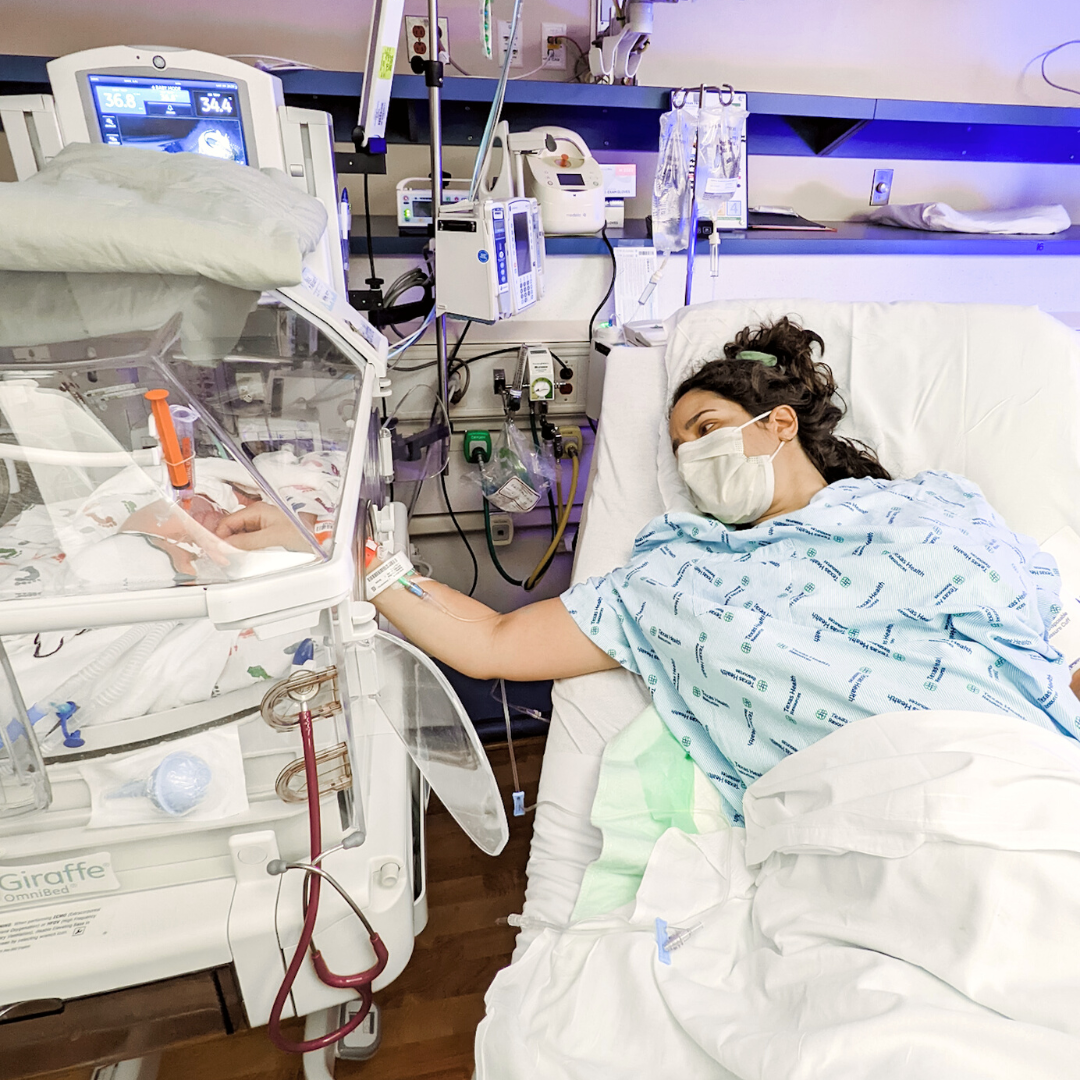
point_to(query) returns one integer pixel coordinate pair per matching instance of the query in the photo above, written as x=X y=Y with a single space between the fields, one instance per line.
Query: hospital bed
x=989 y=392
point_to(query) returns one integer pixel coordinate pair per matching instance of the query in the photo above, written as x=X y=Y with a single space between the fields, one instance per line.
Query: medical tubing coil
x=72 y=688
x=130 y=671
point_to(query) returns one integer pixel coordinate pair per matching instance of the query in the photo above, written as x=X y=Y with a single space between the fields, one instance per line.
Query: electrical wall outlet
x=417 y=40
x=881 y=188
x=504 y=37
x=502 y=529
x=553 y=45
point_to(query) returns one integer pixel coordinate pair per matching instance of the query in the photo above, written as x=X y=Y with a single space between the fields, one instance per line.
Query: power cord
x=461 y=533
x=611 y=284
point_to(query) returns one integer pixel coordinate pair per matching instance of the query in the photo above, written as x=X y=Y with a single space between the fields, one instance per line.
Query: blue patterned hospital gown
x=877 y=596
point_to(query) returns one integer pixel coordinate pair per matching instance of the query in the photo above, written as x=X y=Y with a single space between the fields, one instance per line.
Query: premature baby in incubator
x=126 y=534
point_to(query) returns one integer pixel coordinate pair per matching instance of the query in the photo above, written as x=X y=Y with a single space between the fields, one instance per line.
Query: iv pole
x=433 y=76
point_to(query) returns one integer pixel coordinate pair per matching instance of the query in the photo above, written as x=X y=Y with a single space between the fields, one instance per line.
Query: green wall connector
x=477 y=446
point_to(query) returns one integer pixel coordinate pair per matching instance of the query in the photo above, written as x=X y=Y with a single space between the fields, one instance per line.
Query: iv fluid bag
x=431 y=721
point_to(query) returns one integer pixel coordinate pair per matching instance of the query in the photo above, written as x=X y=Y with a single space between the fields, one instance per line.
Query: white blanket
x=941 y=217
x=903 y=902
x=115 y=209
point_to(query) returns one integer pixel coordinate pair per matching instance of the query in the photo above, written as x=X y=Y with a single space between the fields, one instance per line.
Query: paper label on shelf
x=41 y=882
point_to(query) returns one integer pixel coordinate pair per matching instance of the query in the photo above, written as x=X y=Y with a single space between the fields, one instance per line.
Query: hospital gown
x=875 y=597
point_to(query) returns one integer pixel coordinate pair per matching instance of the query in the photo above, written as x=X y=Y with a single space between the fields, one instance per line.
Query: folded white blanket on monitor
x=941 y=217
x=115 y=209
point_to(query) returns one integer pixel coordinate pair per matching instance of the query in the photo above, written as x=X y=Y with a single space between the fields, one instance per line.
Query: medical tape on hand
x=384 y=576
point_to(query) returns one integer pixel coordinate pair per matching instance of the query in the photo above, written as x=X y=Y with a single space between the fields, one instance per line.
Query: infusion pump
x=489 y=258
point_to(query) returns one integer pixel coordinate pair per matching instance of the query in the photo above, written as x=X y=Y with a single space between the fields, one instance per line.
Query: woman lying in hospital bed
x=810 y=590
x=125 y=536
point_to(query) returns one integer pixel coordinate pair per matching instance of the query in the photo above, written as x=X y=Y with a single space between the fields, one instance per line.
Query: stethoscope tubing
x=312 y=888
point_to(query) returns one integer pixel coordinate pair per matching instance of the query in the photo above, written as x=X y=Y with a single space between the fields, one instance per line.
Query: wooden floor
x=431 y=1010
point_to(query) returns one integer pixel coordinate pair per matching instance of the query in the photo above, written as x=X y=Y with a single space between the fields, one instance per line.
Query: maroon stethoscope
x=314 y=876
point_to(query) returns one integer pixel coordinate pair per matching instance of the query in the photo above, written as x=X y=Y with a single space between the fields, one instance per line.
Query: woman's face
x=700 y=411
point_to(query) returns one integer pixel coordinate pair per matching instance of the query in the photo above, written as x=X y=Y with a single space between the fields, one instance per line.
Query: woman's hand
x=263 y=525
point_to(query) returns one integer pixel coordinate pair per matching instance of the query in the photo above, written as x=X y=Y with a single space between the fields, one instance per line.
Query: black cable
x=592 y=423
x=461 y=533
x=373 y=282
x=470 y=360
x=491 y=548
x=1042 y=67
x=457 y=344
x=550 y=500
x=611 y=286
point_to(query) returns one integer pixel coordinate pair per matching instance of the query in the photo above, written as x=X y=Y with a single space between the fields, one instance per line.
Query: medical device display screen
x=571 y=179
x=175 y=115
x=521 y=242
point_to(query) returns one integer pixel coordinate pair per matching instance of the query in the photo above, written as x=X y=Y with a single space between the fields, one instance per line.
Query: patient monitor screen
x=175 y=115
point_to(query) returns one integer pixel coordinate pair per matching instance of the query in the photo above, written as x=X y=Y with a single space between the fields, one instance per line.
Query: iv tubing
x=496 y=109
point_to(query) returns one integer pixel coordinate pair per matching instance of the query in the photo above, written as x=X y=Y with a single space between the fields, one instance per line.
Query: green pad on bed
x=648 y=784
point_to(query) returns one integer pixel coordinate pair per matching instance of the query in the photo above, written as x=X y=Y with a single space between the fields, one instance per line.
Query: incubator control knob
x=388 y=874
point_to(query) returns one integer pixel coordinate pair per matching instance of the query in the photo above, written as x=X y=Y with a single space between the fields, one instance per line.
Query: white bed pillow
x=988 y=391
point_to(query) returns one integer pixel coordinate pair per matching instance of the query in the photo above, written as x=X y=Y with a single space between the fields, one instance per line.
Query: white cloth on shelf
x=941 y=217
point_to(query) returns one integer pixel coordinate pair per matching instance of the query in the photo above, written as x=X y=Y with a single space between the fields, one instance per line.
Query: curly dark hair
x=798 y=380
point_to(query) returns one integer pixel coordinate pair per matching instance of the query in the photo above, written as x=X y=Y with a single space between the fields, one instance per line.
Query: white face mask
x=724 y=483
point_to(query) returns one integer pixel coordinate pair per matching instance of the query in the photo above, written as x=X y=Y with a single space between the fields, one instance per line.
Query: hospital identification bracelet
x=386 y=575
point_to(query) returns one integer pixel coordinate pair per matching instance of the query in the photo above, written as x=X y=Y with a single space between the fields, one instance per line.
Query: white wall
x=963 y=50
x=948 y=50
x=954 y=50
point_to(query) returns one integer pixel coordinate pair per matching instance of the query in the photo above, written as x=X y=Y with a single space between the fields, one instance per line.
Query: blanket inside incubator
x=113 y=539
x=108 y=542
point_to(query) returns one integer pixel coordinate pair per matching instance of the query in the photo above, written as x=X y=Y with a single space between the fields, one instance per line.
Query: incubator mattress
x=588 y=711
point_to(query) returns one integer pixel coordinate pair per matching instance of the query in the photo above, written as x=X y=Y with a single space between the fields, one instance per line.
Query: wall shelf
x=626 y=117
x=850 y=238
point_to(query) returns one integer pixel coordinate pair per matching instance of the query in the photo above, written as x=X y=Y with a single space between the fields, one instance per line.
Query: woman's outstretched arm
x=539 y=641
